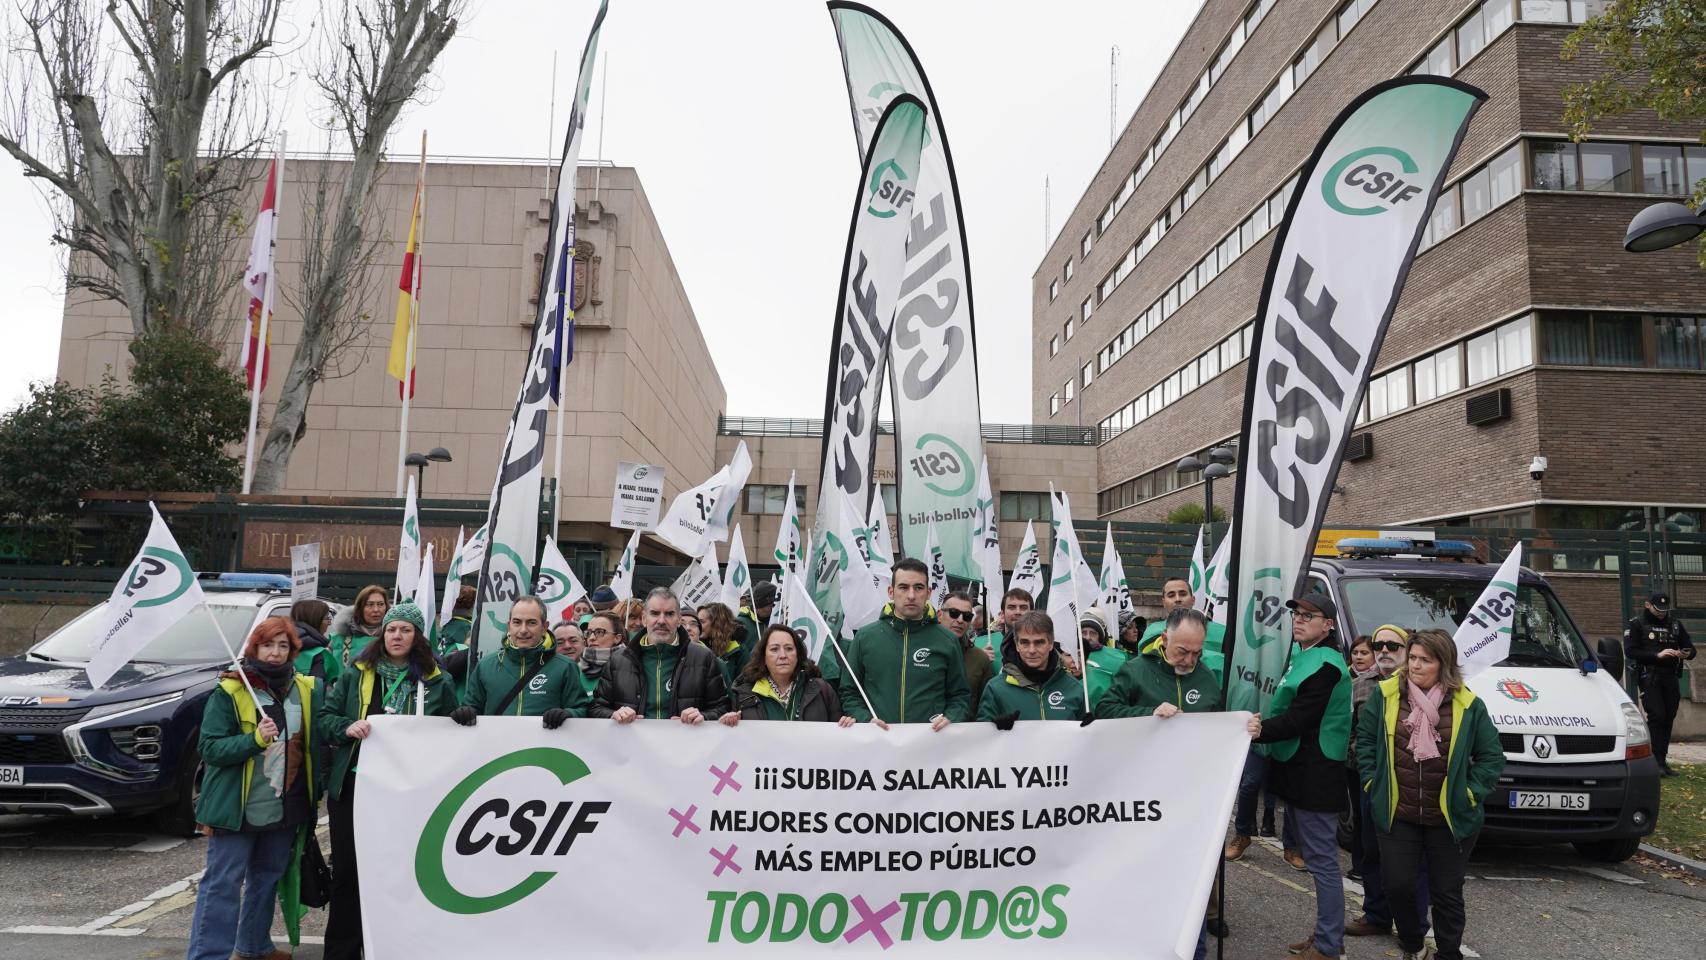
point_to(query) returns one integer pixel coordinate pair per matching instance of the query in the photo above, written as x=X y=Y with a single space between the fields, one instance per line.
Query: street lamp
x=1218 y=466
x=1661 y=226
x=420 y=461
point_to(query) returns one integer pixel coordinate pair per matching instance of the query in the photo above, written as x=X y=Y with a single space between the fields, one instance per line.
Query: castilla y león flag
x=255 y=281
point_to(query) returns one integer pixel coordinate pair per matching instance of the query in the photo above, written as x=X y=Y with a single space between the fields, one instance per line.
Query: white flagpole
x=841 y=658
x=562 y=381
x=414 y=323
x=260 y=357
x=236 y=661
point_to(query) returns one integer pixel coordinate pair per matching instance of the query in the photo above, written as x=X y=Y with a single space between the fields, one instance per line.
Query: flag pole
x=841 y=658
x=408 y=386
x=260 y=358
x=236 y=661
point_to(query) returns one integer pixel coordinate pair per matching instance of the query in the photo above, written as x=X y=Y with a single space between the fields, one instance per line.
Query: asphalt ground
x=116 y=889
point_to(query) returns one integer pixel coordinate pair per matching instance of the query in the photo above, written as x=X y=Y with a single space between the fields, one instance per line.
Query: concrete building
x=1524 y=330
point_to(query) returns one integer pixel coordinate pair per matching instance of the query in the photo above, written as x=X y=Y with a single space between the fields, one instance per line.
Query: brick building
x=1524 y=329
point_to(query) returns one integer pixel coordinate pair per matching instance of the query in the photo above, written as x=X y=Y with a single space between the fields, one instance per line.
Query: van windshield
x=191 y=640
x=1541 y=635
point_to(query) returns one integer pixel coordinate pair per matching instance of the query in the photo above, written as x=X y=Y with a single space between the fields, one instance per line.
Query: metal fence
x=992 y=432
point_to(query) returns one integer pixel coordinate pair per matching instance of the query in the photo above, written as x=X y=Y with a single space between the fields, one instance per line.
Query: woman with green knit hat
x=395 y=674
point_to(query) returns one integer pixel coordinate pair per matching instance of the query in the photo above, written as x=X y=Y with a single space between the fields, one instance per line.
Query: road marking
x=154 y=845
x=1604 y=874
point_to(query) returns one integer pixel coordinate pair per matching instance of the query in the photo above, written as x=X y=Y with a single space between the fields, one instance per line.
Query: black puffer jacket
x=696 y=682
x=818 y=702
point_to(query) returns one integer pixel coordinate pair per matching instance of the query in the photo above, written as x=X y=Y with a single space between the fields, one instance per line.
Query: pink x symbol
x=872 y=923
x=725 y=778
x=726 y=861
x=684 y=821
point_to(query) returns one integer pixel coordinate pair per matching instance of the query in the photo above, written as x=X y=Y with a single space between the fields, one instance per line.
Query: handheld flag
x=452 y=581
x=804 y=616
x=699 y=584
x=1116 y=592
x=556 y=583
x=1028 y=568
x=622 y=581
x=737 y=576
x=1213 y=599
x=156 y=591
x=409 y=546
x=787 y=552
x=879 y=552
x=1064 y=606
x=986 y=536
x=700 y=516
x=1484 y=637
x=938 y=568
x=861 y=601
x=728 y=498
x=423 y=594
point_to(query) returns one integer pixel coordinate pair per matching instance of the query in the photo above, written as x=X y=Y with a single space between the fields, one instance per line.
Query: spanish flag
x=402 y=363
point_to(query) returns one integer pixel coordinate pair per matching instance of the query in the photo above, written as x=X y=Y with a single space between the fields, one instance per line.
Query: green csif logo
x=525 y=828
x=1379 y=177
x=156 y=562
x=886 y=179
x=942 y=466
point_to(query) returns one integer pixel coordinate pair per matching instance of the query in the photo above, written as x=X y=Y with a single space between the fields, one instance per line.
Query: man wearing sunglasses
x=956 y=614
x=1388 y=644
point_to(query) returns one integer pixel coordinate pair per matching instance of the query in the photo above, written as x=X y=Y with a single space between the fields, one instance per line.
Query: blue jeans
x=1317 y=838
x=1249 y=791
x=241 y=868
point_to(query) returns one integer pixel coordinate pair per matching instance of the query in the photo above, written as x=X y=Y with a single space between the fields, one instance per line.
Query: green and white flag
x=1198 y=579
x=861 y=600
x=938 y=568
x=986 y=538
x=879 y=551
x=409 y=547
x=932 y=352
x=452 y=581
x=1115 y=591
x=1340 y=257
x=473 y=553
x=622 y=581
x=804 y=616
x=1212 y=600
x=1028 y=567
x=425 y=595
x=870 y=276
x=156 y=591
x=789 y=543
x=700 y=516
x=699 y=584
x=1484 y=637
x=1064 y=604
x=556 y=583
x=737 y=576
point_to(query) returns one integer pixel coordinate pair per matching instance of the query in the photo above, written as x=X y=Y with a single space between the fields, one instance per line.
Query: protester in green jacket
x=250 y=810
x=397 y=675
x=956 y=615
x=1168 y=677
x=1176 y=593
x=1033 y=684
x=316 y=660
x=1101 y=659
x=1015 y=603
x=908 y=664
x=526 y=677
x=726 y=638
x=357 y=624
x=1428 y=757
x=755 y=619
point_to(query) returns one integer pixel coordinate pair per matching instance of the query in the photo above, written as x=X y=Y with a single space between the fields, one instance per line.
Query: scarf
x=394 y=679
x=1423 y=720
x=276 y=678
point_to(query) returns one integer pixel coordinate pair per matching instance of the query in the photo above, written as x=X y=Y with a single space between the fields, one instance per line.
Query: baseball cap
x=764 y=594
x=1319 y=602
x=1660 y=600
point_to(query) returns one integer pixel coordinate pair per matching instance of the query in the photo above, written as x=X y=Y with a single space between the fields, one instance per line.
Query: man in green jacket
x=526 y=677
x=1176 y=593
x=1033 y=684
x=1102 y=660
x=1168 y=678
x=909 y=665
x=754 y=619
x=1015 y=603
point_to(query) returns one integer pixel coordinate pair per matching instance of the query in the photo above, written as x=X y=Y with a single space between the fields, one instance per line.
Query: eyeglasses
x=600 y=632
x=1304 y=616
x=959 y=614
x=1390 y=646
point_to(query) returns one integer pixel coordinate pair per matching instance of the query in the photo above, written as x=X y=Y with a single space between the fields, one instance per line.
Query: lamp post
x=1218 y=466
x=420 y=461
x=1661 y=226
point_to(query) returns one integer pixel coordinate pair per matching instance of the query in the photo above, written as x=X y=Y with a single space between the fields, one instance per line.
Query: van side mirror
x=1611 y=657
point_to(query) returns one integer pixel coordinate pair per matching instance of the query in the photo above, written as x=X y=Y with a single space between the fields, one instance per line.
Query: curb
x=1676 y=860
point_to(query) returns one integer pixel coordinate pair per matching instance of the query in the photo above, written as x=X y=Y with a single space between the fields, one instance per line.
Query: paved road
x=118 y=890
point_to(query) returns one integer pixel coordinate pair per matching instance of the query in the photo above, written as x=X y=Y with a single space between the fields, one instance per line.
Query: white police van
x=1579 y=764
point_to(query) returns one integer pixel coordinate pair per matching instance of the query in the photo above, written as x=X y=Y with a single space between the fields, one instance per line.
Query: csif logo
x=1370 y=181
x=529 y=828
x=149 y=577
x=921 y=656
x=885 y=186
x=1056 y=698
x=641 y=471
x=942 y=466
x=506 y=573
x=551 y=586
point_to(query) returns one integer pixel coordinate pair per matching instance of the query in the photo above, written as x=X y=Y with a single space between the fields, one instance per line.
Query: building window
x=1085 y=308
x=1617 y=341
x=1504 y=174
x=771 y=499
x=1516 y=344
x=1677 y=340
x=1024 y=505
x=1484 y=357
x=1053 y=404
x=1067 y=391
x=1067 y=269
x=1564 y=339
x=1089 y=373
x=1661 y=170
x=1069 y=328
x=1606 y=166
x=1477 y=196
x=1053 y=345
x=1053 y=290
x=1085 y=243
x=890 y=498
x=1554 y=165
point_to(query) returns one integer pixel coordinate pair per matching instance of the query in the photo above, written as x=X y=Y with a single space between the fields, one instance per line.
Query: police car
x=1579 y=764
x=129 y=747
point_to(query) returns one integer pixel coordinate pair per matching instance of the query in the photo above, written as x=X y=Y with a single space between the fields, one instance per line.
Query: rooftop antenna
x=1113 y=92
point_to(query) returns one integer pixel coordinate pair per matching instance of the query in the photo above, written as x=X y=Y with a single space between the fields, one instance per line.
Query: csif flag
x=260 y=266
x=452 y=581
x=556 y=584
x=405 y=332
x=423 y=593
x=409 y=545
x=156 y=591
x=692 y=520
x=1064 y=605
x=870 y=276
x=512 y=521
x=699 y=584
x=938 y=568
x=986 y=537
x=1115 y=597
x=1028 y=566
x=932 y=349
x=622 y=581
x=874 y=541
x=1484 y=637
x=788 y=540
x=1339 y=261
x=737 y=576
x=804 y=616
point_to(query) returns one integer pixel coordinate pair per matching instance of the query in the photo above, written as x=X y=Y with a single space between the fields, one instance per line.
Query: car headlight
x=143 y=742
x=1638 y=733
x=106 y=710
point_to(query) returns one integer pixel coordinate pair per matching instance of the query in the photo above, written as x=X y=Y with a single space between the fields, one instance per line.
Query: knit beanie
x=406 y=610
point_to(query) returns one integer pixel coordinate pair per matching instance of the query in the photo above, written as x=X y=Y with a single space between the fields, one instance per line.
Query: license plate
x=1548 y=801
x=11 y=776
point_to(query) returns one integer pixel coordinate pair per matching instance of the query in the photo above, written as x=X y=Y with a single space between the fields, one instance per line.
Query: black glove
x=1085 y=718
x=465 y=715
x=555 y=717
x=1005 y=721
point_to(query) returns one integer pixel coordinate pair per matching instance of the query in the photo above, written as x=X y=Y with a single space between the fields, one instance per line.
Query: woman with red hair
x=258 y=788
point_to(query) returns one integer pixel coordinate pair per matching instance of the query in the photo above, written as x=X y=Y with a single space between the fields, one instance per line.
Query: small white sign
x=638 y=496
x=304 y=572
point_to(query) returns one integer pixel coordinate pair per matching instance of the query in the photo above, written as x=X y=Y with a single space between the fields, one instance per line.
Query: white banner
x=737 y=576
x=622 y=581
x=933 y=347
x=637 y=497
x=788 y=540
x=1484 y=637
x=787 y=839
x=1339 y=262
x=157 y=590
x=1027 y=567
x=304 y=572
x=409 y=545
x=556 y=583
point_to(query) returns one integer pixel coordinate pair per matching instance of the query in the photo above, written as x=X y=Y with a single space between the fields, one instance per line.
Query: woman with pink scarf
x=1429 y=757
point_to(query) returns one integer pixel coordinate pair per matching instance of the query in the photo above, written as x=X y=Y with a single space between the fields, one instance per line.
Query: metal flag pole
x=408 y=387
x=236 y=661
x=260 y=357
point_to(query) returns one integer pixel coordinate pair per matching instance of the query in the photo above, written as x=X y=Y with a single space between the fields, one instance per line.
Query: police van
x=1579 y=765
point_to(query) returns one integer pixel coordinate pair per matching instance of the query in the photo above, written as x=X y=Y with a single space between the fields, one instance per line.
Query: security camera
x=1537 y=469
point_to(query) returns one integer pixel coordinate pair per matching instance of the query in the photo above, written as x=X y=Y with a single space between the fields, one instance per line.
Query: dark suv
x=129 y=747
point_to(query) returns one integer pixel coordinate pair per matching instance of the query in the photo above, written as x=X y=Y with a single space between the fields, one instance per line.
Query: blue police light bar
x=1352 y=547
x=248 y=581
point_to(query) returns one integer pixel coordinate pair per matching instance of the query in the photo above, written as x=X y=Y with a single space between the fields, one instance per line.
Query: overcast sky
x=735 y=115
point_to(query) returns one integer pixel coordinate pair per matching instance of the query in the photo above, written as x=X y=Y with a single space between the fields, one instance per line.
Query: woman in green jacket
x=258 y=787
x=783 y=684
x=358 y=623
x=395 y=674
x=1428 y=756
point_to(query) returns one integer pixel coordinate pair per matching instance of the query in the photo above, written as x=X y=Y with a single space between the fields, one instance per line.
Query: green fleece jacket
x=229 y=745
x=349 y=702
x=1473 y=759
x=1060 y=697
x=911 y=669
x=556 y=684
x=1104 y=665
x=1147 y=681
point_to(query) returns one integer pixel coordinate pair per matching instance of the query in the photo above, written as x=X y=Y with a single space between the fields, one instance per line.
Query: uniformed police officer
x=1657 y=643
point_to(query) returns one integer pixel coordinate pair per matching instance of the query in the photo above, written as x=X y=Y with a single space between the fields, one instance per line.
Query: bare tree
x=375 y=57
x=142 y=116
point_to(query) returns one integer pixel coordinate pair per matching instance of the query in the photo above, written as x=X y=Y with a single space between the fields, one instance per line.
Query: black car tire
x=1608 y=851
x=178 y=819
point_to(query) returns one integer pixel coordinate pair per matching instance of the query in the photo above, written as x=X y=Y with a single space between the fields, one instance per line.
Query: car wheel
x=1609 y=851
x=178 y=819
